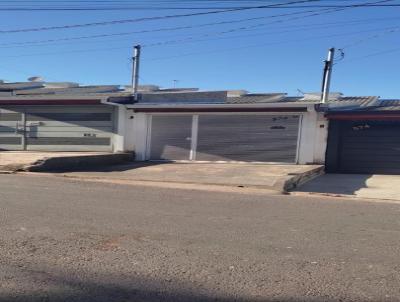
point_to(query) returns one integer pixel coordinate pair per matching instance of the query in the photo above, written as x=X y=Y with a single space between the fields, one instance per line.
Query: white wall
x=313 y=138
x=124 y=138
x=321 y=139
x=140 y=130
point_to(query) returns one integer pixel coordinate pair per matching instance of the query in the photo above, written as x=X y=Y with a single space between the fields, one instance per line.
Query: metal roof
x=256 y=98
x=378 y=106
x=151 y=94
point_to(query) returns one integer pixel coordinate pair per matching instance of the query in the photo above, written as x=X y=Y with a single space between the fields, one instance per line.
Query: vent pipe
x=326 y=81
x=135 y=73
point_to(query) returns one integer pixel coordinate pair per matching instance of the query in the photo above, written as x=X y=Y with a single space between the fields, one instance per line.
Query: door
x=364 y=147
x=257 y=138
x=171 y=137
x=12 y=129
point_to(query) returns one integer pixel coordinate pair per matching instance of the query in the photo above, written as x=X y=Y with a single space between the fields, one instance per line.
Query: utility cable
x=144 y=19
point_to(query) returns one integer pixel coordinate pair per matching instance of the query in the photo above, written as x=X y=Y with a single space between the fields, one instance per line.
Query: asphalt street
x=70 y=240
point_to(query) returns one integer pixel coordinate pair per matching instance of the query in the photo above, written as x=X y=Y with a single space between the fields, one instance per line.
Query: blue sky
x=272 y=57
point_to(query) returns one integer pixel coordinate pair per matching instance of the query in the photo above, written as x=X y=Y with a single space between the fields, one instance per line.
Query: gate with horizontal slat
x=58 y=128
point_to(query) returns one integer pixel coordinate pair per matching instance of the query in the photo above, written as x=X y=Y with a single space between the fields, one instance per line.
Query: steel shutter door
x=368 y=147
x=171 y=137
x=248 y=138
x=69 y=128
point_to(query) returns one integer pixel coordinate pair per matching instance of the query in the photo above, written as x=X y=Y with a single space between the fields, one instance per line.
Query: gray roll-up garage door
x=61 y=128
x=171 y=137
x=249 y=138
x=364 y=147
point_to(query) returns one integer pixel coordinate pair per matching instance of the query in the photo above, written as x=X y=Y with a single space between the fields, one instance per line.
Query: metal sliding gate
x=56 y=128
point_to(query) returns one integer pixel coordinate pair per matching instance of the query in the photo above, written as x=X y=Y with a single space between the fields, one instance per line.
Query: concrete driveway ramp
x=274 y=177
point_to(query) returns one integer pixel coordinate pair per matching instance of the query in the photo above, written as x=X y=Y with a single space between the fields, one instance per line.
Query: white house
x=224 y=126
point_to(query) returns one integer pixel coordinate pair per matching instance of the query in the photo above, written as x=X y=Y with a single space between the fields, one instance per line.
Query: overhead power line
x=311 y=26
x=374 y=54
x=109 y=6
x=251 y=27
x=164 y=29
x=144 y=19
x=310 y=13
x=372 y=37
x=156 y=18
x=92 y=50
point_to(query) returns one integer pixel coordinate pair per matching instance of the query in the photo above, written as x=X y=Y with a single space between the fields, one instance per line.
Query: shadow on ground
x=139 y=291
x=346 y=184
x=114 y=168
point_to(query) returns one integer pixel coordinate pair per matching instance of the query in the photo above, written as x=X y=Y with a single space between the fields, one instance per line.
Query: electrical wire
x=260 y=45
x=313 y=14
x=144 y=19
x=120 y=7
x=187 y=54
x=114 y=22
x=165 y=29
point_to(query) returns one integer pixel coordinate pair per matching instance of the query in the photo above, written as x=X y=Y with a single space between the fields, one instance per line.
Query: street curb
x=295 y=180
x=159 y=184
x=76 y=163
x=348 y=196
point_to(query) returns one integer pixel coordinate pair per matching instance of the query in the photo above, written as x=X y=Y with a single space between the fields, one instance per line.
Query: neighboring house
x=58 y=117
x=192 y=125
x=364 y=138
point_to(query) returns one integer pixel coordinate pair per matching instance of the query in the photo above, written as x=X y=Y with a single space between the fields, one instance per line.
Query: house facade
x=227 y=126
x=349 y=134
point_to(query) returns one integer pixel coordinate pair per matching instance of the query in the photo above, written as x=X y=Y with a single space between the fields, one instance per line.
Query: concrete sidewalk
x=274 y=177
x=12 y=161
x=355 y=185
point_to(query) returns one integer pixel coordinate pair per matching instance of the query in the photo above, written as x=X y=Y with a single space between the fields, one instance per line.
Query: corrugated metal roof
x=354 y=102
x=69 y=90
x=389 y=102
x=153 y=94
x=256 y=98
x=350 y=104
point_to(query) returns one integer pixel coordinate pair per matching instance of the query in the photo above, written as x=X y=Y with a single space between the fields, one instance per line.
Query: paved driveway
x=356 y=185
